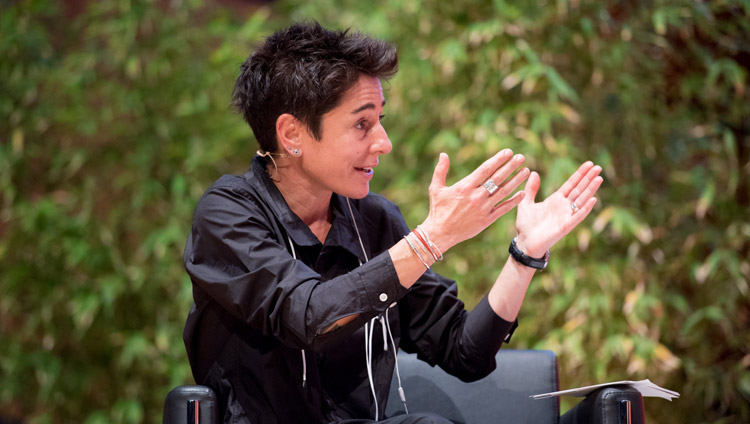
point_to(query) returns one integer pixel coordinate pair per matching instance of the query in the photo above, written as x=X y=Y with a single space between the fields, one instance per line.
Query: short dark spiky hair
x=304 y=70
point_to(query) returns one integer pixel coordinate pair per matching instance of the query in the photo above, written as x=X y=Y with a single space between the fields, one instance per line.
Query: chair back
x=501 y=397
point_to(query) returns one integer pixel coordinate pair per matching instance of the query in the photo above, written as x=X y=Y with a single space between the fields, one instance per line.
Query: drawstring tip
x=304 y=369
x=402 y=395
x=385 y=334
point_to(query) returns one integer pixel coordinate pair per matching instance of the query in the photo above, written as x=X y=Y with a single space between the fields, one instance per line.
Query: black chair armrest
x=610 y=405
x=183 y=403
x=501 y=397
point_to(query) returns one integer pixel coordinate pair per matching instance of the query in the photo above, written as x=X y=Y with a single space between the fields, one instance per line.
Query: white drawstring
x=385 y=339
x=369 y=330
x=401 y=393
x=357 y=230
x=370 y=326
x=304 y=360
x=304 y=369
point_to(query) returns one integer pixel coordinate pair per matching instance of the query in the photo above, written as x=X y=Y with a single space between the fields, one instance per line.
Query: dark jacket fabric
x=258 y=310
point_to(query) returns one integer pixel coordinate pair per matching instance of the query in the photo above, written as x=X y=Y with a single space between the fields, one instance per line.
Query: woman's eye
x=365 y=124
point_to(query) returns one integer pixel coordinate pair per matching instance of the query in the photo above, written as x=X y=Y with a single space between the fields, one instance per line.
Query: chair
x=191 y=405
x=504 y=395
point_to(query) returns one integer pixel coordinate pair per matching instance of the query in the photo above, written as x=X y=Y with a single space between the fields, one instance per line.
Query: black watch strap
x=520 y=257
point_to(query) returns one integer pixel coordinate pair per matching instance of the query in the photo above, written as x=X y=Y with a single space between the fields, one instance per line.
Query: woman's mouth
x=367 y=171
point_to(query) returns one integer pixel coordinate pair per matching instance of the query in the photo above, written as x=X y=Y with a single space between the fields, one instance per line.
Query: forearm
x=507 y=294
x=409 y=267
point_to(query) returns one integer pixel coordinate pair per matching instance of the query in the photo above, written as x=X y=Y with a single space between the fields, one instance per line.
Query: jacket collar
x=342 y=232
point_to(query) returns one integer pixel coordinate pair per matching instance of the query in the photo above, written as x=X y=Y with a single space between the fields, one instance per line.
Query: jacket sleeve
x=437 y=327
x=236 y=257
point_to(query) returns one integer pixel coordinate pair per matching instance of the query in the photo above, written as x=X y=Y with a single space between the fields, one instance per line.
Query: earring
x=296 y=152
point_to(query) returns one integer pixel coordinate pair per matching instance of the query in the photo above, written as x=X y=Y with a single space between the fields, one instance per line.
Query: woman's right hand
x=463 y=210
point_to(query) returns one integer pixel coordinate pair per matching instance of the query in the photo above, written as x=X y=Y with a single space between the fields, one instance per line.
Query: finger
x=572 y=182
x=583 y=212
x=486 y=169
x=532 y=187
x=590 y=190
x=504 y=207
x=511 y=184
x=441 y=170
x=507 y=170
x=584 y=183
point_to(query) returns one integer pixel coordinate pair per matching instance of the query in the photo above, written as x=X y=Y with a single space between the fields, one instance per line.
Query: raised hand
x=541 y=225
x=463 y=210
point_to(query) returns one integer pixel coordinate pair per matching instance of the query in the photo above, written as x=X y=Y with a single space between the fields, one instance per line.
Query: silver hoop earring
x=296 y=152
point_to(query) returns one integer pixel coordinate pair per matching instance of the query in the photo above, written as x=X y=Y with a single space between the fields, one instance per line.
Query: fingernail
x=505 y=152
x=518 y=157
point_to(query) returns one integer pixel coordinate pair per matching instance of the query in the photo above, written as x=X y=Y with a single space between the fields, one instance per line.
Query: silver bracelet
x=406 y=237
x=430 y=245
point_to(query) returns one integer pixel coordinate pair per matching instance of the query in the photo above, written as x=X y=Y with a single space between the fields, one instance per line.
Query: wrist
x=427 y=243
x=438 y=237
x=419 y=250
x=521 y=257
x=530 y=249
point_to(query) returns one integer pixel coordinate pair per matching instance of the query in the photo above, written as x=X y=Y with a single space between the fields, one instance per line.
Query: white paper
x=646 y=387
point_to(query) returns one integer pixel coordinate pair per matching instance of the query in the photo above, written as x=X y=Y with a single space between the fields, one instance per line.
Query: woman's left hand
x=540 y=225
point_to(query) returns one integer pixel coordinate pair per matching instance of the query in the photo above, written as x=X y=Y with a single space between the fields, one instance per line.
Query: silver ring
x=490 y=186
x=573 y=206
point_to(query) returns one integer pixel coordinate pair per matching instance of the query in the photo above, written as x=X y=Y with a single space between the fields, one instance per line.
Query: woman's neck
x=312 y=206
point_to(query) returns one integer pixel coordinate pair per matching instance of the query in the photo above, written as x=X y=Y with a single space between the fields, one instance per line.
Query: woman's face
x=352 y=139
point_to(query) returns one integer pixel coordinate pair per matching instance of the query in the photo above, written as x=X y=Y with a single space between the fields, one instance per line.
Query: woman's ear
x=289 y=132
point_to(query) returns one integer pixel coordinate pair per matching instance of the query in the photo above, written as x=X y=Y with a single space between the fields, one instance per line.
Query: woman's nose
x=381 y=144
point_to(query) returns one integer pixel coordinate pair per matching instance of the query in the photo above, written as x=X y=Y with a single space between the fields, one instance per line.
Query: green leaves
x=116 y=119
x=114 y=122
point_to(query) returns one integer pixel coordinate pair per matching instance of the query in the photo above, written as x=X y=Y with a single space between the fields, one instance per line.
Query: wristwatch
x=520 y=257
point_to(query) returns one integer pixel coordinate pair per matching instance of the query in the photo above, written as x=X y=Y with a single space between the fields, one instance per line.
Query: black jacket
x=258 y=310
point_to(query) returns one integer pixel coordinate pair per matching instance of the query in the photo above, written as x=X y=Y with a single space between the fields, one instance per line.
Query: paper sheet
x=646 y=387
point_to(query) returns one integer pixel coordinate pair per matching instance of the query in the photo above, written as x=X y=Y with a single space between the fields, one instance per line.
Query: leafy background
x=114 y=118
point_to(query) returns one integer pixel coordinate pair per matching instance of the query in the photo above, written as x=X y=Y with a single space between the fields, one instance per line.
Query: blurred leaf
x=115 y=119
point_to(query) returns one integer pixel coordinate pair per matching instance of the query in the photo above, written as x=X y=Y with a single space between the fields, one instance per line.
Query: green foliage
x=115 y=120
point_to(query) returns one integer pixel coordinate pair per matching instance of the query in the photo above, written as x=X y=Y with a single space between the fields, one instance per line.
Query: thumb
x=441 y=170
x=532 y=187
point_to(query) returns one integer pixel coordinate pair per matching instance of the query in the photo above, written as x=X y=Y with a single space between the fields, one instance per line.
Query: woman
x=305 y=284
